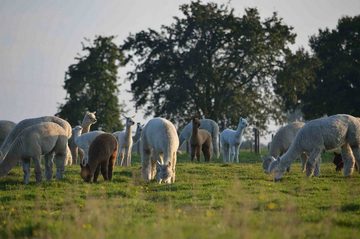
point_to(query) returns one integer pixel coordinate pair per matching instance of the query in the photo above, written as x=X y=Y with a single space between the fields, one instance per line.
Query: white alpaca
x=5 y=128
x=136 y=138
x=158 y=145
x=83 y=141
x=281 y=143
x=323 y=134
x=231 y=140
x=45 y=138
x=88 y=120
x=5 y=147
x=125 y=143
x=211 y=126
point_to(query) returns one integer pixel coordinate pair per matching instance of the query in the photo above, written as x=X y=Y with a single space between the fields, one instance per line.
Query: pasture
x=208 y=200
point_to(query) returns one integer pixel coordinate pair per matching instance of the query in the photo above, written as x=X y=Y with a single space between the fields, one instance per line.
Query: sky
x=39 y=40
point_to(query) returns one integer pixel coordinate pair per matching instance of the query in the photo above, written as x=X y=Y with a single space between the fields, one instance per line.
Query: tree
x=91 y=84
x=337 y=85
x=210 y=63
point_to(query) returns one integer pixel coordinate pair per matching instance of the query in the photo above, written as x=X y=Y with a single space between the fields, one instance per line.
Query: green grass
x=208 y=200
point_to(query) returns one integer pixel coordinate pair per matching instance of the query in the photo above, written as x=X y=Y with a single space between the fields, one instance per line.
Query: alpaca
x=102 y=157
x=5 y=147
x=5 y=128
x=136 y=138
x=338 y=161
x=158 y=146
x=200 y=140
x=125 y=143
x=83 y=141
x=323 y=134
x=88 y=120
x=231 y=140
x=46 y=138
x=211 y=126
x=281 y=142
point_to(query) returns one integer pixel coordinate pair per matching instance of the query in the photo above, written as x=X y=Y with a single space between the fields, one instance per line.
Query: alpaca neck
x=274 y=151
x=291 y=154
x=239 y=132
x=128 y=134
x=86 y=127
x=10 y=160
x=195 y=130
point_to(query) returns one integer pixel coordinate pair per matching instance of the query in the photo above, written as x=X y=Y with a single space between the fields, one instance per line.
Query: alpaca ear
x=94 y=112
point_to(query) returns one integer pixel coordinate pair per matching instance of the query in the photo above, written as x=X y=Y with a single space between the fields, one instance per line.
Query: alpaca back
x=5 y=128
x=84 y=140
x=102 y=148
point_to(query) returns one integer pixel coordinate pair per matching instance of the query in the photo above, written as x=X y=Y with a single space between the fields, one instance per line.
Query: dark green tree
x=91 y=84
x=209 y=63
x=337 y=86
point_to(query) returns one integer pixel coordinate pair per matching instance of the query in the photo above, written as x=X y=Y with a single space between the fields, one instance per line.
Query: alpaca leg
x=348 y=159
x=192 y=152
x=356 y=153
x=111 y=164
x=197 y=151
x=49 y=166
x=38 y=176
x=317 y=167
x=26 y=170
x=60 y=165
x=104 y=170
x=82 y=156
x=304 y=159
x=225 y=150
x=237 y=153
x=173 y=163
x=207 y=153
x=96 y=173
x=74 y=153
x=232 y=153
x=146 y=164
x=69 y=160
x=311 y=163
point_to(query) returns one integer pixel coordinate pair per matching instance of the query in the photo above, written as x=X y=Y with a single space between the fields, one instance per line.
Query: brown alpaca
x=102 y=156
x=200 y=141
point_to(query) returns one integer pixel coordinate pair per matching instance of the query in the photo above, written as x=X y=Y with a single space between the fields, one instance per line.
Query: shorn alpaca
x=158 y=145
x=323 y=134
x=32 y=121
x=83 y=141
x=5 y=128
x=281 y=143
x=45 y=138
x=102 y=157
x=231 y=140
x=207 y=124
x=200 y=140
x=125 y=143
x=88 y=120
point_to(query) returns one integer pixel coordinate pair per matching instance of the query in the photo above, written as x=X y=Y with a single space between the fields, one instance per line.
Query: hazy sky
x=40 y=38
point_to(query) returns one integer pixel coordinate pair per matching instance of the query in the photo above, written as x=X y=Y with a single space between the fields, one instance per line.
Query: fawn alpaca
x=200 y=140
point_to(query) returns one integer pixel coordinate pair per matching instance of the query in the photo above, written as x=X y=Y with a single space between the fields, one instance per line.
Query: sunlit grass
x=208 y=200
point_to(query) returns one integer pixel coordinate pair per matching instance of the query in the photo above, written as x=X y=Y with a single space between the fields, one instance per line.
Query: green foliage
x=208 y=200
x=209 y=63
x=91 y=84
x=337 y=84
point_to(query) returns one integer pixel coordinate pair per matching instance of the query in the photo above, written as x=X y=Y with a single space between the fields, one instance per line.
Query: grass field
x=208 y=200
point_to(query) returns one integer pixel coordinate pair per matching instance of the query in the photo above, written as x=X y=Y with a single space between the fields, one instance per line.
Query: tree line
x=212 y=63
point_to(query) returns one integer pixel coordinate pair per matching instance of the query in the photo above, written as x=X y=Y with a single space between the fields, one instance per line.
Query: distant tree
x=209 y=63
x=337 y=85
x=91 y=84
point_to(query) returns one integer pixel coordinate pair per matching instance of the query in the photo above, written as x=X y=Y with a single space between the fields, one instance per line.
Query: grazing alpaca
x=83 y=141
x=45 y=138
x=281 y=143
x=5 y=147
x=158 y=145
x=338 y=161
x=323 y=134
x=125 y=143
x=136 y=138
x=231 y=141
x=5 y=129
x=211 y=126
x=102 y=156
x=89 y=119
x=200 y=140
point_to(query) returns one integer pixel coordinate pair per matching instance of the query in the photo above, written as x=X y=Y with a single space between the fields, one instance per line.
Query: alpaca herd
x=158 y=143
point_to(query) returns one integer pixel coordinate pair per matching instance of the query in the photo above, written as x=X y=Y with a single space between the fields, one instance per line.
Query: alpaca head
x=89 y=118
x=196 y=122
x=77 y=130
x=85 y=172
x=266 y=163
x=338 y=161
x=129 y=121
x=275 y=169
x=243 y=123
x=164 y=172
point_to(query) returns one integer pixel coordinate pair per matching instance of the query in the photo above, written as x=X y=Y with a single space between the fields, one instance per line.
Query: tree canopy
x=91 y=84
x=209 y=63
